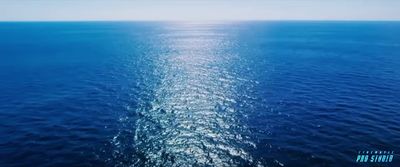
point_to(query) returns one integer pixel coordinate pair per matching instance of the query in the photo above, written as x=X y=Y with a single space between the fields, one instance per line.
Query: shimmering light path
x=192 y=119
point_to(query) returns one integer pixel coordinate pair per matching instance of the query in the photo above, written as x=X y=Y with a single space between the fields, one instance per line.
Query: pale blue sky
x=44 y=10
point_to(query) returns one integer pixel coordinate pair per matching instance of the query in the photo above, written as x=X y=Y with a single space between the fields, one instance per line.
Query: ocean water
x=198 y=94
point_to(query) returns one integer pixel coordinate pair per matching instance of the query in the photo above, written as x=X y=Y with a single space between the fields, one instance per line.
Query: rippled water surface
x=198 y=94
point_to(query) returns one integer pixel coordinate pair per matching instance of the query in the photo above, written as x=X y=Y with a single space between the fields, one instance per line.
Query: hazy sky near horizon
x=44 y=10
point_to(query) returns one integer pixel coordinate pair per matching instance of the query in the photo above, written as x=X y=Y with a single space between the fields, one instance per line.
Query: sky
x=47 y=10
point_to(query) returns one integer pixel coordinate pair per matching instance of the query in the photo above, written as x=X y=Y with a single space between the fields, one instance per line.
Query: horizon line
x=201 y=20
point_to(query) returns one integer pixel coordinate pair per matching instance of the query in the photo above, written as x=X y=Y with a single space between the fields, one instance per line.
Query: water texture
x=198 y=94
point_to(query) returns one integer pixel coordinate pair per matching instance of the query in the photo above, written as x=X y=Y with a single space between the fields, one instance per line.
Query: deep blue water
x=180 y=94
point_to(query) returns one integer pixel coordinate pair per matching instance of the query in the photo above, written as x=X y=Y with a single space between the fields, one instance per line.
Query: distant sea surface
x=198 y=94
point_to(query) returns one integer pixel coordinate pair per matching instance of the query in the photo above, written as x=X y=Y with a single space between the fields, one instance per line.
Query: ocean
x=256 y=93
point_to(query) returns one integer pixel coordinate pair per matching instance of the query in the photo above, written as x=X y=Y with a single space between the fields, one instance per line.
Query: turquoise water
x=201 y=94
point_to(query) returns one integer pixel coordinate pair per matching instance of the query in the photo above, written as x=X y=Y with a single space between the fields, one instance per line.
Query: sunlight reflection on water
x=192 y=120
